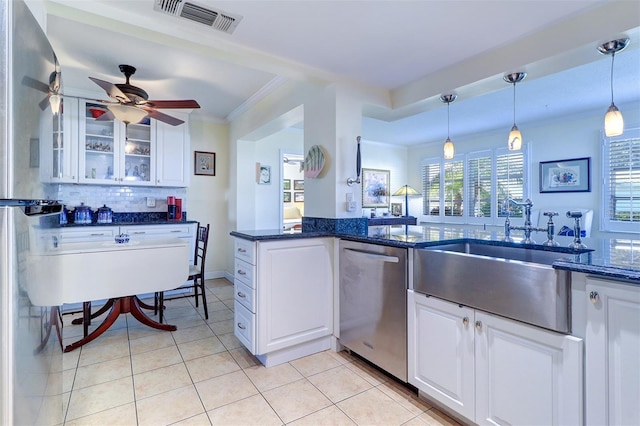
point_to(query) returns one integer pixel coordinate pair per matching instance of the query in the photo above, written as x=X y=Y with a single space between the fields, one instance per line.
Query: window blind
x=479 y=190
x=622 y=190
x=453 y=188
x=509 y=183
x=431 y=189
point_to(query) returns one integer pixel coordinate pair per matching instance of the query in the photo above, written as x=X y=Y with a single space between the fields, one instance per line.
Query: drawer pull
x=241 y=250
x=241 y=326
x=97 y=235
x=176 y=230
x=241 y=294
x=241 y=272
x=139 y=232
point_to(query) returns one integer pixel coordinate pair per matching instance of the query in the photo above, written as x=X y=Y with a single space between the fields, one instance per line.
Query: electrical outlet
x=151 y=202
x=351 y=206
x=349 y=197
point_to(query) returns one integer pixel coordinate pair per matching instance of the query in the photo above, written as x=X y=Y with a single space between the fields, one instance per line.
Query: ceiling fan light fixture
x=54 y=101
x=449 y=148
x=127 y=114
x=613 y=121
x=515 y=137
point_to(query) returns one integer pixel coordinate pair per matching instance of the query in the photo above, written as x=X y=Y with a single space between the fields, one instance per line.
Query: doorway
x=292 y=191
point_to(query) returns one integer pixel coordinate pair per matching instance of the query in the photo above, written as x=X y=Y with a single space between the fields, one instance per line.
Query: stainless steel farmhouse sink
x=515 y=282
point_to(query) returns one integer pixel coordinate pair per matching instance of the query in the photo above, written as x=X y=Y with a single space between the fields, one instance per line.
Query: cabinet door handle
x=465 y=321
x=241 y=272
x=241 y=294
x=241 y=326
x=241 y=250
x=478 y=325
x=594 y=297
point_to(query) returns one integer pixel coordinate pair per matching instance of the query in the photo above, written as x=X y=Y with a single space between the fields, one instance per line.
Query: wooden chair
x=196 y=274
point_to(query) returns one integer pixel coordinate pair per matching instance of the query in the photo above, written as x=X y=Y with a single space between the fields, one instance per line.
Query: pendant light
x=613 y=121
x=449 y=149
x=515 y=137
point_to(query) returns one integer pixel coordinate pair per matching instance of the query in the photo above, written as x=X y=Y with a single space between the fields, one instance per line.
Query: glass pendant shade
x=613 y=122
x=515 y=139
x=127 y=114
x=449 y=149
x=54 y=101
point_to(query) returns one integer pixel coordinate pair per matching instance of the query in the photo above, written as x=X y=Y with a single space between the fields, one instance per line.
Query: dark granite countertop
x=613 y=258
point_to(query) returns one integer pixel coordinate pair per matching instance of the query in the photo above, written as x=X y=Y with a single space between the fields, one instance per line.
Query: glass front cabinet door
x=112 y=152
x=58 y=133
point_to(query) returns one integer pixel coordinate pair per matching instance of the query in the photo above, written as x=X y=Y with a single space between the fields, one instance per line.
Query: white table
x=81 y=272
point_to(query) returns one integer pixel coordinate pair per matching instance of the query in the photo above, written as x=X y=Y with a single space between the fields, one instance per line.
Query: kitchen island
x=588 y=375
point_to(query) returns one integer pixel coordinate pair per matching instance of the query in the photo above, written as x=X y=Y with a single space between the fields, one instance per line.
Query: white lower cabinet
x=612 y=353
x=293 y=299
x=492 y=370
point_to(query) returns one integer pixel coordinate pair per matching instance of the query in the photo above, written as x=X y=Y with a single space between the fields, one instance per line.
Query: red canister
x=171 y=208
x=178 y=208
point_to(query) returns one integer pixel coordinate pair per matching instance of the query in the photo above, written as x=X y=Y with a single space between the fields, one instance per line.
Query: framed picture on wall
x=572 y=175
x=264 y=174
x=286 y=197
x=286 y=185
x=298 y=185
x=396 y=209
x=204 y=163
x=375 y=188
x=298 y=197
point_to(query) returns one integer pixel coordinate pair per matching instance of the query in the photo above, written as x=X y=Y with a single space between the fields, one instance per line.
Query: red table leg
x=121 y=305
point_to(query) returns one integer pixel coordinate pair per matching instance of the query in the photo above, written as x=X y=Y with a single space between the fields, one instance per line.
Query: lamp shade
x=515 y=139
x=55 y=100
x=449 y=149
x=127 y=114
x=613 y=122
x=406 y=190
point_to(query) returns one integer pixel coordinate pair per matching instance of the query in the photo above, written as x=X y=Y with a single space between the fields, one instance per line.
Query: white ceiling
x=407 y=52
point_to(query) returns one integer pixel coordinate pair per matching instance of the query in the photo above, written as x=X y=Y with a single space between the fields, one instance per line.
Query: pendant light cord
x=613 y=57
x=448 y=105
x=514 y=103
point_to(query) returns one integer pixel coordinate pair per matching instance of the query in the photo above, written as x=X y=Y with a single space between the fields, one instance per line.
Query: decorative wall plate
x=313 y=162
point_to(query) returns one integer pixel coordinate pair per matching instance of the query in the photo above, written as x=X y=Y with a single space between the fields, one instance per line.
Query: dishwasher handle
x=374 y=256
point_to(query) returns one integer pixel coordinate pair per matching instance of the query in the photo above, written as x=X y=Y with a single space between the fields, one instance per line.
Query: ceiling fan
x=133 y=104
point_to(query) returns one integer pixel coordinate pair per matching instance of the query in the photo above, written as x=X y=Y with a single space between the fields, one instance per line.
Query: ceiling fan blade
x=163 y=117
x=35 y=84
x=173 y=104
x=44 y=104
x=111 y=89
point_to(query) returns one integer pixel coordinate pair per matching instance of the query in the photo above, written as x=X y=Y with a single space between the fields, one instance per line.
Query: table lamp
x=406 y=190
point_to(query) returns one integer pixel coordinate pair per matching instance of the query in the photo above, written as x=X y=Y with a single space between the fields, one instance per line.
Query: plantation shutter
x=453 y=188
x=509 y=182
x=479 y=190
x=431 y=189
x=622 y=188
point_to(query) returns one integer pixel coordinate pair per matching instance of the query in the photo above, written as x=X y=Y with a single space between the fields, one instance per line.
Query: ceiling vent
x=218 y=19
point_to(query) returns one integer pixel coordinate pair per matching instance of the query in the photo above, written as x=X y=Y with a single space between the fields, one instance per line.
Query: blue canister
x=82 y=214
x=105 y=214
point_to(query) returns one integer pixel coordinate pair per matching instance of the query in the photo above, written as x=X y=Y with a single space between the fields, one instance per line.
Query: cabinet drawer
x=244 y=326
x=245 y=250
x=244 y=272
x=156 y=231
x=245 y=295
x=94 y=233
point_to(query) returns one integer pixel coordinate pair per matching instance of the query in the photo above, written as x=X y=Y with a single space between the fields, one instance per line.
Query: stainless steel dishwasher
x=373 y=304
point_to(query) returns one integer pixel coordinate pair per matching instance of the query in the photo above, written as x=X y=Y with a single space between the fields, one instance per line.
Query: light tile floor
x=201 y=375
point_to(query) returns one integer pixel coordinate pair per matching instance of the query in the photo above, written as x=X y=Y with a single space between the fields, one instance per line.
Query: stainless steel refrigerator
x=30 y=331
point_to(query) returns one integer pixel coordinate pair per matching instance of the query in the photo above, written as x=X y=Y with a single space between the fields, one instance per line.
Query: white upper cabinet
x=172 y=152
x=58 y=143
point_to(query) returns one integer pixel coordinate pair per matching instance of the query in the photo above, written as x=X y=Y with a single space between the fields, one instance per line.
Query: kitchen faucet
x=527 y=227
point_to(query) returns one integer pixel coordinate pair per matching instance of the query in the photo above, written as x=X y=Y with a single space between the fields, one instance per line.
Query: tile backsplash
x=119 y=198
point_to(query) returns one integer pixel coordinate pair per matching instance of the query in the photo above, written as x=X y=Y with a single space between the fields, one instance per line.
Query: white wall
x=377 y=155
x=208 y=195
x=563 y=138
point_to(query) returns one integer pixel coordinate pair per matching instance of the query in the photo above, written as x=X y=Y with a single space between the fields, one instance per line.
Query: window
x=453 y=188
x=431 y=189
x=621 y=183
x=479 y=189
x=474 y=186
x=509 y=183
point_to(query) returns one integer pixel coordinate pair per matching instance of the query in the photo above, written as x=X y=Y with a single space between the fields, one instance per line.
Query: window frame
x=493 y=153
x=607 y=224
